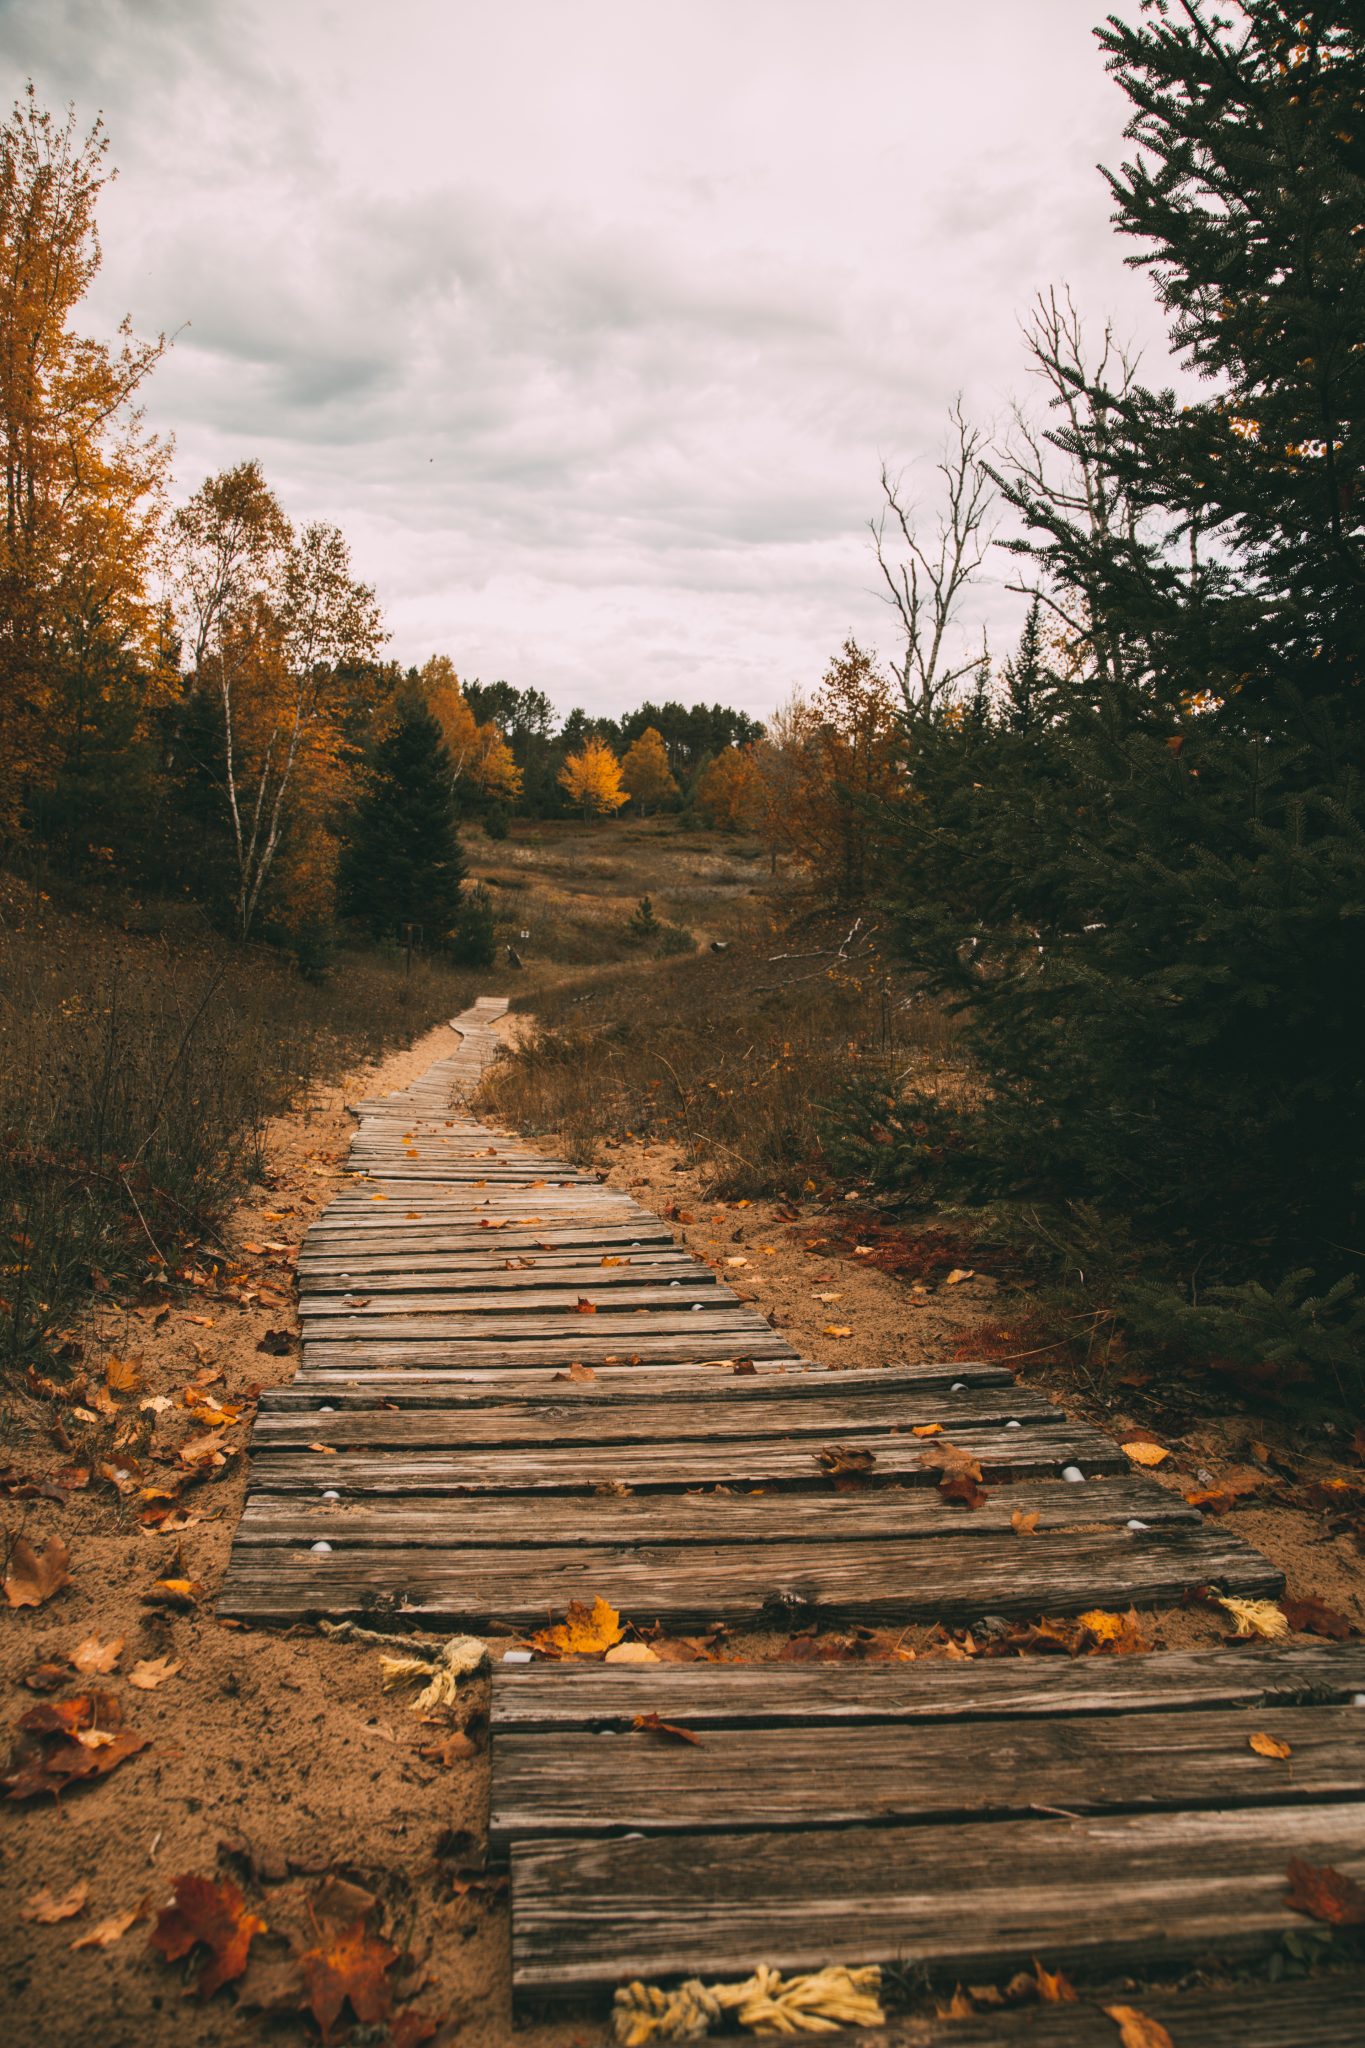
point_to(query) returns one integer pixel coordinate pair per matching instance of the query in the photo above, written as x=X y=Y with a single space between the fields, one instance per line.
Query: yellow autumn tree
x=645 y=774
x=730 y=791
x=592 y=777
x=827 y=763
x=479 y=754
x=80 y=493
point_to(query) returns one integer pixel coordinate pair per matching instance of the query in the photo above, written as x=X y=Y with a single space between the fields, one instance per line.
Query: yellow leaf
x=1136 y=2030
x=1255 y=1617
x=1146 y=1454
x=1106 y=1628
x=837 y=1330
x=1269 y=1745
x=1053 y=1988
x=927 y=1429
x=631 y=1653
x=584 y=1632
x=959 y=1274
x=1024 y=1524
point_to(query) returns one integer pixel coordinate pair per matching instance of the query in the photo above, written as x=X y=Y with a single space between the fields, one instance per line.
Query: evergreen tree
x=1141 y=872
x=401 y=863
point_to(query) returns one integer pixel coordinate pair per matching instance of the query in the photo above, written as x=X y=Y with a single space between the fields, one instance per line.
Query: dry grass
x=136 y=1078
x=734 y=1057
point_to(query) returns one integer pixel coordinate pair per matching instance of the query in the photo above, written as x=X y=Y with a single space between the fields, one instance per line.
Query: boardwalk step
x=970 y=1901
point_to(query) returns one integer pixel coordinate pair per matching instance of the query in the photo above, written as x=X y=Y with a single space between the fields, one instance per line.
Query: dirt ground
x=279 y=1760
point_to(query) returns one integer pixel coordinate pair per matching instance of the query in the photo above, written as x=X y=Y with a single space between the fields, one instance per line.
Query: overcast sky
x=591 y=323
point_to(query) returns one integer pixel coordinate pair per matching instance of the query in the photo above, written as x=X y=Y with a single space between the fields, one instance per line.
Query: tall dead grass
x=136 y=1081
x=735 y=1059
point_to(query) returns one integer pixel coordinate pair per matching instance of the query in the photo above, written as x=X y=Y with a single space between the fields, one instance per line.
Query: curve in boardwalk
x=518 y=1389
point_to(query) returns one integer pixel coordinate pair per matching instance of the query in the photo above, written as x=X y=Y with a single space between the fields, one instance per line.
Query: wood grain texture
x=652 y=1518
x=890 y=1581
x=597 y=1345
x=531 y=1698
x=778 y=1379
x=968 y=1902
x=1036 y=1453
x=587 y=1413
x=583 y=1784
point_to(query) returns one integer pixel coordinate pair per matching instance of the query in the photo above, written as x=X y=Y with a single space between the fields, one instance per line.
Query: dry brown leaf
x=581 y=1374
x=584 y=1632
x=34 y=1576
x=961 y=1487
x=95 y=1659
x=1311 y=1616
x=1145 y=1453
x=1024 y=1524
x=45 y=1909
x=122 y=1375
x=927 y=1429
x=152 y=1672
x=65 y=1741
x=631 y=1653
x=837 y=1330
x=1269 y=1745
x=585 y=1307
x=106 y=1932
x=650 y=1724
x=844 y=1458
x=451 y=1749
x=325 y=1450
x=214 y=1915
x=182 y=1594
x=351 y=1965
x=1136 y=2030
x=1324 y=1893
x=958 y=1275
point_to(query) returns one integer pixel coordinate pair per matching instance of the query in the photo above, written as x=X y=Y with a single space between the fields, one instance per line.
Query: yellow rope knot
x=768 y=2003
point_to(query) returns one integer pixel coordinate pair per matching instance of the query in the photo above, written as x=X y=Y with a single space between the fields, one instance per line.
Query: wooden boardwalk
x=517 y=1389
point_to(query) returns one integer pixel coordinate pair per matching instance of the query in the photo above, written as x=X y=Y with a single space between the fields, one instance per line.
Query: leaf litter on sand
x=32 y=1577
x=213 y=1915
x=63 y=1742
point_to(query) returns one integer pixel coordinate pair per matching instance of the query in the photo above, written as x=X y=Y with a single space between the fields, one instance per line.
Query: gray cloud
x=593 y=326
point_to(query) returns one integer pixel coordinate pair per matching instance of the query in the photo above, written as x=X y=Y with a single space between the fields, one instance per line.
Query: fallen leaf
x=276 y=1343
x=1269 y=1745
x=960 y=1486
x=351 y=1965
x=926 y=1429
x=1053 y=1987
x=631 y=1653
x=1135 y=2029
x=1024 y=1524
x=1324 y=1893
x=326 y=1450
x=451 y=1749
x=584 y=1632
x=581 y=1373
x=650 y=1724
x=65 y=1741
x=1311 y=1616
x=106 y=1932
x=839 y=1458
x=47 y=1677
x=959 y=2007
x=214 y=1915
x=837 y=1330
x=1145 y=1453
x=736 y=1262
x=45 y=1909
x=1255 y=1617
x=958 y=1275
x=33 y=1576
x=95 y=1659
x=1103 y=1626
x=585 y=1307
x=122 y=1375
x=182 y=1594
x=611 y=1489
x=152 y=1672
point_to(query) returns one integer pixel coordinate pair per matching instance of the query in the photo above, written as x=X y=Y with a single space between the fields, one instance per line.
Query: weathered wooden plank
x=776 y=1379
x=892 y=1581
x=654 y=1518
x=584 y=1415
x=596 y=1346
x=1040 y=1452
x=969 y=1902
x=422 y=1241
x=471 y=1271
x=524 y=1297
x=581 y=1783
x=534 y=1698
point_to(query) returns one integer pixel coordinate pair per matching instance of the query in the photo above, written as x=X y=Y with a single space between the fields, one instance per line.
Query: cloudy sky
x=591 y=323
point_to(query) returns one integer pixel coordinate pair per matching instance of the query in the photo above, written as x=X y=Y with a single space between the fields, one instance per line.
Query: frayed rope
x=767 y=2003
